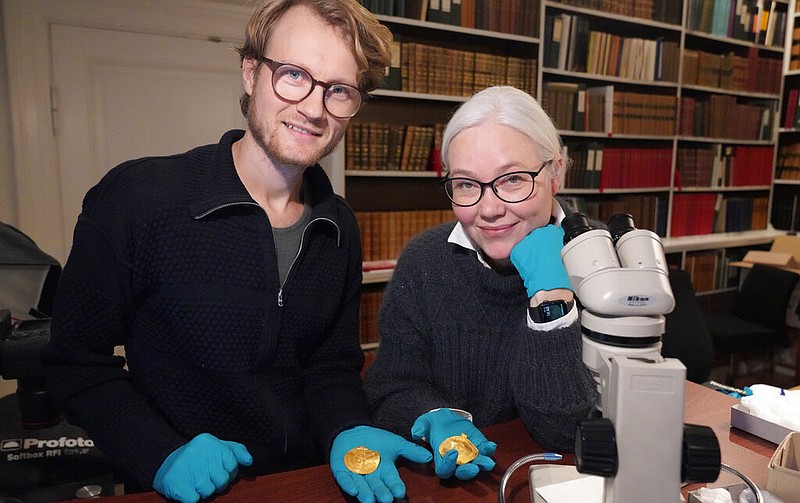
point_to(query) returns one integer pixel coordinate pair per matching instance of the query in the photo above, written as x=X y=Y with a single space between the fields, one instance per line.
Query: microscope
x=635 y=438
x=639 y=443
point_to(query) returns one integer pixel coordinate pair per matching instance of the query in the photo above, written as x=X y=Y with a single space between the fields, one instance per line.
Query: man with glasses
x=231 y=274
x=479 y=324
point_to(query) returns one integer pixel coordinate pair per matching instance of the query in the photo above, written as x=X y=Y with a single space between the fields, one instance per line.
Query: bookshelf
x=622 y=141
x=668 y=109
x=786 y=186
x=679 y=119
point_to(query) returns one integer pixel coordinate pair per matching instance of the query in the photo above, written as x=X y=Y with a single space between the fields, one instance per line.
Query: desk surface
x=743 y=451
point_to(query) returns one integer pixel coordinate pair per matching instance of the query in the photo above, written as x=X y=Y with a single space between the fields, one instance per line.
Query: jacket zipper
x=300 y=249
x=302 y=239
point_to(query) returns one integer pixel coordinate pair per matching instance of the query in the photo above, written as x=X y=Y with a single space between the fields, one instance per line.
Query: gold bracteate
x=361 y=460
x=461 y=443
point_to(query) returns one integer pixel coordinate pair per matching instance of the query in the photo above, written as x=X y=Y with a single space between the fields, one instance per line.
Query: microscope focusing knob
x=596 y=447
x=701 y=458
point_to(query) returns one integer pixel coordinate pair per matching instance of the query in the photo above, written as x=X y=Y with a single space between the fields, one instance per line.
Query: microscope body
x=623 y=285
x=644 y=401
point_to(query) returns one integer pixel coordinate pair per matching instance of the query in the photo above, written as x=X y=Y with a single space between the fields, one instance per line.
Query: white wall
x=8 y=212
x=8 y=204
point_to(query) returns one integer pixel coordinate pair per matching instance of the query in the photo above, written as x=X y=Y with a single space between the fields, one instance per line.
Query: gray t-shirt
x=287 y=242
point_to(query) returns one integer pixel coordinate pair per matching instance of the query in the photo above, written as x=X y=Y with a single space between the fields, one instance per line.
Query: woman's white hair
x=514 y=108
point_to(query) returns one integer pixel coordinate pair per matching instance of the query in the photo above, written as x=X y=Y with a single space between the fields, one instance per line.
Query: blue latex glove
x=538 y=259
x=384 y=484
x=200 y=468
x=438 y=425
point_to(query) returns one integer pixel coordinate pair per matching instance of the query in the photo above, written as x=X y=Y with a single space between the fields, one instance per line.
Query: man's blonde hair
x=369 y=40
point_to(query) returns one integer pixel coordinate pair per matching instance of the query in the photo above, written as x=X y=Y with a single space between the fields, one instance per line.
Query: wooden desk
x=747 y=453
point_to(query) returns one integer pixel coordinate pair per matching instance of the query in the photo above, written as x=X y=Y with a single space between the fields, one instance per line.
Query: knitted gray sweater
x=454 y=334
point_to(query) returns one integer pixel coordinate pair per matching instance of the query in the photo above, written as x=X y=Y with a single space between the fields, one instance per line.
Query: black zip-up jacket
x=173 y=260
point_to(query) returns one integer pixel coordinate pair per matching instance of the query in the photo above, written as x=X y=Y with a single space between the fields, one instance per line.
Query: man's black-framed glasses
x=513 y=187
x=294 y=84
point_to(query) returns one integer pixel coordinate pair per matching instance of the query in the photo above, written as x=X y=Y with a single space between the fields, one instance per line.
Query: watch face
x=550 y=310
x=553 y=310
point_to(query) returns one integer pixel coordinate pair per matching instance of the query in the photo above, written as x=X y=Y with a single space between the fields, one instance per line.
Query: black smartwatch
x=550 y=310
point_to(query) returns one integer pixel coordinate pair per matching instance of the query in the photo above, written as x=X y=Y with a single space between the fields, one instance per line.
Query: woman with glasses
x=478 y=323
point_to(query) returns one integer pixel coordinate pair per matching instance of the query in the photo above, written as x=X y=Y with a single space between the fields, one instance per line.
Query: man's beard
x=272 y=147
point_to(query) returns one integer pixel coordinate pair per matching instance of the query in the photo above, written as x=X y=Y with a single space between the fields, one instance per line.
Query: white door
x=121 y=95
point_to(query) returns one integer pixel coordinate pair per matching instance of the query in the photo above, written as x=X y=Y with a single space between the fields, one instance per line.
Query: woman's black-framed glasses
x=513 y=187
x=294 y=84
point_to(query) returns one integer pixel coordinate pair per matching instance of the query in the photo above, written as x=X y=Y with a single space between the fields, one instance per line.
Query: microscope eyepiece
x=620 y=224
x=574 y=225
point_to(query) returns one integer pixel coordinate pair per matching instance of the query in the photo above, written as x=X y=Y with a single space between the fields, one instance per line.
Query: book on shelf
x=759 y=21
x=385 y=233
x=518 y=17
x=703 y=268
x=369 y=310
x=788 y=162
x=692 y=214
x=737 y=70
x=588 y=174
x=753 y=73
x=577 y=55
x=595 y=165
x=667 y=11
x=725 y=117
x=722 y=159
x=392 y=80
x=416 y=9
x=719 y=17
x=468 y=13
x=636 y=167
x=434 y=14
x=696 y=166
x=559 y=99
x=760 y=213
x=434 y=69
x=708 y=69
x=563 y=47
x=553 y=30
x=790 y=114
x=794 y=50
x=690 y=61
x=784 y=210
x=579 y=113
x=604 y=53
x=600 y=108
x=740 y=214
x=669 y=54
x=769 y=34
x=721 y=165
x=737 y=213
x=455 y=13
x=643 y=114
x=750 y=165
x=373 y=146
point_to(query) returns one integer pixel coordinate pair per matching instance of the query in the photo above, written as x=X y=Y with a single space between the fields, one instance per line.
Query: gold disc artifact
x=461 y=443
x=361 y=460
